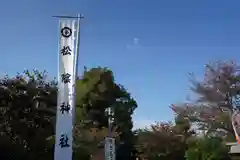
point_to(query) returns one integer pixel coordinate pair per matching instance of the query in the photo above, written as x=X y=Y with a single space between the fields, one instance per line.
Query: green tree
x=96 y=91
x=207 y=148
x=27 y=116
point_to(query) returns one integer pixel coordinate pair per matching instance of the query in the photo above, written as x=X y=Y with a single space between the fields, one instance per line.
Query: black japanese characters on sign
x=65 y=107
x=66 y=32
x=111 y=148
x=66 y=78
x=66 y=51
x=64 y=141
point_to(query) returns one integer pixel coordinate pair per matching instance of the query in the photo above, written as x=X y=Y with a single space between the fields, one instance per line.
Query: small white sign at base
x=109 y=148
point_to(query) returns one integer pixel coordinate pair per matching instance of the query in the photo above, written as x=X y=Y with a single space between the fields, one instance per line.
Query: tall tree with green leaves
x=27 y=115
x=96 y=91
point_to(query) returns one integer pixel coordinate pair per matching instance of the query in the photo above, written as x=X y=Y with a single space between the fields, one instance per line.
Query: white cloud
x=135 y=43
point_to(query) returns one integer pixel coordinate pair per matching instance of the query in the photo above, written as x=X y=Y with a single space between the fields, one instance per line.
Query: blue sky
x=150 y=45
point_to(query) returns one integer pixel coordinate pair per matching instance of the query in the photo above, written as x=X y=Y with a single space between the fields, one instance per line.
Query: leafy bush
x=207 y=148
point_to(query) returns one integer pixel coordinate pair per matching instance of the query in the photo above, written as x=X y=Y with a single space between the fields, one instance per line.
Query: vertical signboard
x=66 y=81
x=109 y=148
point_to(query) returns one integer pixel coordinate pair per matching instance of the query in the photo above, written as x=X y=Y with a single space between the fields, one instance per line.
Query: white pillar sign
x=110 y=148
x=66 y=81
